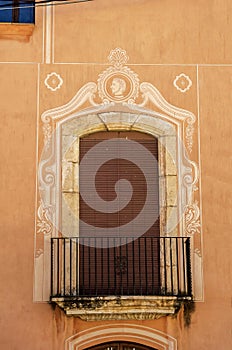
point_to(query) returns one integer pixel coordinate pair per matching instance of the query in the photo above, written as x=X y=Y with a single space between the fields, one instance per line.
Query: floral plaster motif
x=189 y=136
x=53 y=81
x=198 y=252
x=44 y=225
x=38 y=252
x=118 y=57
x=47 y=129
x=192 y=221
x=182 y=82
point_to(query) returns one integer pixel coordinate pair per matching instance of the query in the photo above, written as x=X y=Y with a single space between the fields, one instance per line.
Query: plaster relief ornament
x=182 y=82
x=198 y=252
x=47 y=130
x=192 y=219
x=38 y=252
x=53 y=81
x=118 y=83
x=97 y=105
x=44 y=224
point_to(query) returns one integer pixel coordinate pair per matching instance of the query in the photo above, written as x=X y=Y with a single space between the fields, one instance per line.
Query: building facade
x=116 y=175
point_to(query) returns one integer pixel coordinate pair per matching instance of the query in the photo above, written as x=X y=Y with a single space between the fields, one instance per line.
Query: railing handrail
x=119 y=237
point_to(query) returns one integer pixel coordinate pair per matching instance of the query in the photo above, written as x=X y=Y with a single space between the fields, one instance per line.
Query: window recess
x=17 y=11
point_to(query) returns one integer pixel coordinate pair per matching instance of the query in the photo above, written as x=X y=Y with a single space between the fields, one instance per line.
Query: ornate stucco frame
x=60 y=129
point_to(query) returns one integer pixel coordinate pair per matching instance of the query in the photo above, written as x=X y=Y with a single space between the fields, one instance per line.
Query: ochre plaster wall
x=161 y=38
x=152 y=31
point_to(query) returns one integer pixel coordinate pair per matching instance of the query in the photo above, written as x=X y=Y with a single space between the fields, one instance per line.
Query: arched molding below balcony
x=121 y=332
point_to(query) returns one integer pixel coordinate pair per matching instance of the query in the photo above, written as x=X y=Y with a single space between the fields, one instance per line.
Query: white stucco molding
x=150 y=93
x=122 y=332
x=92 y=113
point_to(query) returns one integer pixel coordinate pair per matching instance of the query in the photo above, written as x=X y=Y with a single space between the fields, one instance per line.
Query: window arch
x=120 y=346
x=143 y=335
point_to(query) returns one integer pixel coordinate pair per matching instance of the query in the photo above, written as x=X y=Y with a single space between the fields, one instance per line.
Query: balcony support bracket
x=120 y=308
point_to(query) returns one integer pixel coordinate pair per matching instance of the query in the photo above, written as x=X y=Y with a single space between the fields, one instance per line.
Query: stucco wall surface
x=162 y=39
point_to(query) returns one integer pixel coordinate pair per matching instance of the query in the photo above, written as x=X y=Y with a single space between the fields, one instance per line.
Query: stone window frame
x=124 y=332
x=77 y=127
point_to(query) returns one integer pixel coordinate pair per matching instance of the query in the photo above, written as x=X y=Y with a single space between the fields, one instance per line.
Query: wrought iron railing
x=90 y=266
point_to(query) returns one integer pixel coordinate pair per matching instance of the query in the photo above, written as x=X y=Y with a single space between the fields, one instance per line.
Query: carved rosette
x=118 y=83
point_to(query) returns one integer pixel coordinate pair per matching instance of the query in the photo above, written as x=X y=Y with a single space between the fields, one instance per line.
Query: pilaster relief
x=48 y=34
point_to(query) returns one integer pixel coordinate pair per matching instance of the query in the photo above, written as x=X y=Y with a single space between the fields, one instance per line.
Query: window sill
x=16 y=31
x=120 y=308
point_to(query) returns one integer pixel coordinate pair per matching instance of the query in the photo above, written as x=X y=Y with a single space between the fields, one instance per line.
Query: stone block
x=71 y=201
x=168 y=146
x=172 y=221
x=81 y=125
x=155 y=126
x=118 y=120
x=67 y=176
x=70 y=148
x=162 y=191
x=171 y=190
x=70 y=214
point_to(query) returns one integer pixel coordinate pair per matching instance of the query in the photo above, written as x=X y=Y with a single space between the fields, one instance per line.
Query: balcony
x=120 y=278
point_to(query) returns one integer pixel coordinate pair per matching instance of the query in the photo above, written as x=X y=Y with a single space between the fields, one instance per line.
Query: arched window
x=120 y=346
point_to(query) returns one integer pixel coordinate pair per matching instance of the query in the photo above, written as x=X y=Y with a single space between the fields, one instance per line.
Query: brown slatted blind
x=114 y=270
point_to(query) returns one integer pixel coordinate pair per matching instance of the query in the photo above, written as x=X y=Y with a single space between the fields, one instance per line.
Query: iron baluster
x=95 y=268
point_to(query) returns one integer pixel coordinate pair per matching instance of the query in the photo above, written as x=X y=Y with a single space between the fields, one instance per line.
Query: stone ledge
x=16 y=31
x=120 y=308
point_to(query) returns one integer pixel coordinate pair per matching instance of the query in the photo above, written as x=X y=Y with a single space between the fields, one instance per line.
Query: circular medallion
x=118 y=87
x=118 y=83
